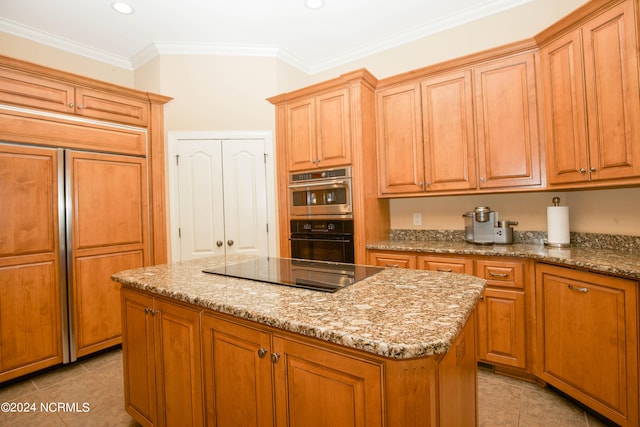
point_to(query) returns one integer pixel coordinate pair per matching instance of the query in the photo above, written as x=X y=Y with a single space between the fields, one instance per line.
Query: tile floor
x=97 y=381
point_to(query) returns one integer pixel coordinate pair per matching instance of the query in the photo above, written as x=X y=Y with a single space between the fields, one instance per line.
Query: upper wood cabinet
x=318 y=131
x=592 y=107
x=507 y=122
x=426 y=135
x=28 y=90
x=428 y=140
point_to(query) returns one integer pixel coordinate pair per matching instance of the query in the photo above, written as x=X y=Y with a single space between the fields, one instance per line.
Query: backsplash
x=585 y=240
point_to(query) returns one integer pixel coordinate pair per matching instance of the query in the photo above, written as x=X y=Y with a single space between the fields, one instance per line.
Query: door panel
x=245 y=197
x=222 y=197
x=108 y=227
x=201 y=198
x=32 y=314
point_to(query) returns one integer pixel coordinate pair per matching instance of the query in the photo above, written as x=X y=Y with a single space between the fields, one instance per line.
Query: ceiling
x=311 y=40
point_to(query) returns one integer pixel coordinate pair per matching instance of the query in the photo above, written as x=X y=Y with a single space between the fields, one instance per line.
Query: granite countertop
x=396 y=313
x=607 y=261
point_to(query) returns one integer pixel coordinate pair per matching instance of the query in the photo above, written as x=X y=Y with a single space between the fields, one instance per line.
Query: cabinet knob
x=230 y=242
x=592 y=169
x=391 y=265
x=275 y=357
x=262 y=352
x=71 y=104
x=483 y=179
x=219 y=243
x=427 y=183
x=582 y=170
x=80 y=106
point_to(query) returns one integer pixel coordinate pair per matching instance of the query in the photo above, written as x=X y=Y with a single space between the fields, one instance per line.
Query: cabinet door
x=501 y=327
x=400 y=147
x=31 y=311
x=445 y=264
x=507 y=123
x=110 y=107
x=301 y=134
x=108 y=224
x=179 y=370
x=317 y=388
x=237 y=374
x=334 y=129
x=565 y=118
x=391 y=259
x=611 y=74
x=448 y=131
x=138 y=357
x=588 y=339
x=35 y=92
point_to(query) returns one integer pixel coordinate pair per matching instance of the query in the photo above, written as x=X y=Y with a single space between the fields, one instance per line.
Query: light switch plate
x=417 y=219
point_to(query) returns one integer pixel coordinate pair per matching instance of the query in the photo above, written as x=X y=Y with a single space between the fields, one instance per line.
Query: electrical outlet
x=417 y=219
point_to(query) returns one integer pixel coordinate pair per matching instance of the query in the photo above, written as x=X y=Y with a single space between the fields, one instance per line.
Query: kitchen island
x=394 y=349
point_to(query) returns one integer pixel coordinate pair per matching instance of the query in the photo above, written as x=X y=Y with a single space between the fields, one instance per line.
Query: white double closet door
x=222 y=197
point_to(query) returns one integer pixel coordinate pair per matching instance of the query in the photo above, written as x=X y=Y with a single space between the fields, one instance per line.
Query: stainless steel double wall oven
x=321 y=215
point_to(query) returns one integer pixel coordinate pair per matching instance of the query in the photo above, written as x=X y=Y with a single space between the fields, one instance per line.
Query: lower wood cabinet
x=588 y=339
x=184 y=366
x=161 y=361
x=503 y=331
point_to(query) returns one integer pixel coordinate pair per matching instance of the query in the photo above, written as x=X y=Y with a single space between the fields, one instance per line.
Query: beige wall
x=590 y=211
x=229 y=93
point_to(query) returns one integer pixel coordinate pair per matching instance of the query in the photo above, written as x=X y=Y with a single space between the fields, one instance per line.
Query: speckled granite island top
x=618 y=263
x=396 y=313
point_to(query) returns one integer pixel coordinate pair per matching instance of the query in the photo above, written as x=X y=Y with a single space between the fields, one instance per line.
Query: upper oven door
x=315 y=199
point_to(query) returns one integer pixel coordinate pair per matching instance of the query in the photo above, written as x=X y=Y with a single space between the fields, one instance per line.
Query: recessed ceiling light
x=314 y=4
x=122 y=7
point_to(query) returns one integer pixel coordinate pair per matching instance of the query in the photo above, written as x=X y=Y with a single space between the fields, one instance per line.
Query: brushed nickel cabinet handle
x=275 y=357
x=444 y=270
x=582 y=170
x=592 y=169
x=503 y=275
x=391 y=265
x=262 y=352
x=80 y=106
x=575 y=288
x=71 y=104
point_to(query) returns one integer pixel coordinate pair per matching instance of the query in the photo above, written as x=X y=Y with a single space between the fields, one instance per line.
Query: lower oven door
x=336 y=248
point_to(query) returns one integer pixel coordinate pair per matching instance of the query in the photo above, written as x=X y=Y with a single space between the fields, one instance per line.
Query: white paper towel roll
x=558 y=224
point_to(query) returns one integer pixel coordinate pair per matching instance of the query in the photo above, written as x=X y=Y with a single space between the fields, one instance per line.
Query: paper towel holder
x=556 y=202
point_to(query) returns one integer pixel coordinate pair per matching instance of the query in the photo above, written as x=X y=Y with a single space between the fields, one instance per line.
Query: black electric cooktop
x=314 y=275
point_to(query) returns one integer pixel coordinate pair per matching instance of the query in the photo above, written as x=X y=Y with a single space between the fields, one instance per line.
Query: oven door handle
x=317 y=184
x=299 y=239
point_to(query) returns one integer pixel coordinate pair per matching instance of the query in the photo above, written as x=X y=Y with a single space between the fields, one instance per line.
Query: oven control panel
x=322 y=226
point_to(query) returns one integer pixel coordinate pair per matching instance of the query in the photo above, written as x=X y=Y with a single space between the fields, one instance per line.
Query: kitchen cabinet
x=426 y=139
x=587 y=329
x=161 y=361
x=107 y=226
x=445 y=264
x=505 y=312
x=502 y=312
x=506 y=110
x=592 y=98
x=332 y=124
x=32 y=320
x=249 y=373
x=33 y=91
x=318 y=131
x=392 y=259
x=256 y=375
x=86 y=191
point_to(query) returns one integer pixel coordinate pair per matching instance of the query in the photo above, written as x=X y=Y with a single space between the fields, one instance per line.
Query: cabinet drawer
x=445 y=264
x=501 y=273
x=391 y=259
x=31 y=91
